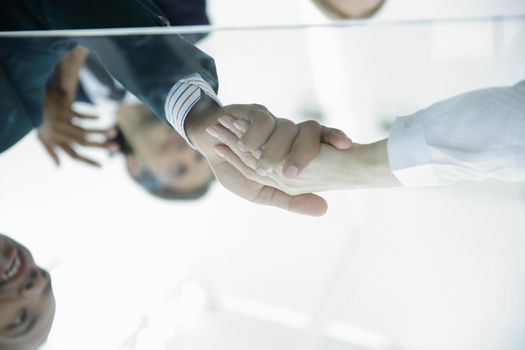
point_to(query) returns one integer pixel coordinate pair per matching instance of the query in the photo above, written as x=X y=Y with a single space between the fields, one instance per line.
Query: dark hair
x=155 y=186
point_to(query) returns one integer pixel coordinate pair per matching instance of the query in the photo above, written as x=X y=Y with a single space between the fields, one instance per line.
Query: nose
x=35 y=283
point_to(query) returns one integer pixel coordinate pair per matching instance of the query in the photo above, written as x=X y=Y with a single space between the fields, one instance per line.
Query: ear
x=134 y=167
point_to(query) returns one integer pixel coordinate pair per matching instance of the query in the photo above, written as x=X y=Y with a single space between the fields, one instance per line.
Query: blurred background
x=422 y=268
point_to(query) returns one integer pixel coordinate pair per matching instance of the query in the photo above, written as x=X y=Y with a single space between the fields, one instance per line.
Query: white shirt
x=473 y=136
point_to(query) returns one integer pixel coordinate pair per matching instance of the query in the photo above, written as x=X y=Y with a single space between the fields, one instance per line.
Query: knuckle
x=297 y=160
x=255 y=107
x=250 y=145
x=261 y=113
x=311 y=125
x=288 y=125
x=263 y=163
x=300 y=157
x=270 y=160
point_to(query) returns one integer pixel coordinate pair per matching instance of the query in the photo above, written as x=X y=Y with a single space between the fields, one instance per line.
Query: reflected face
x=162 y=150
x=27 y=303
x=351 y=8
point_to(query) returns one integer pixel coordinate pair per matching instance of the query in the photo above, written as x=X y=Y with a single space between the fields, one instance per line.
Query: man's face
x=162 y=150
x=27 y=303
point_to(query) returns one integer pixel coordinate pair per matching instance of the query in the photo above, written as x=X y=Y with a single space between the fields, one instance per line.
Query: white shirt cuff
x=182 y=97
x=408 y=153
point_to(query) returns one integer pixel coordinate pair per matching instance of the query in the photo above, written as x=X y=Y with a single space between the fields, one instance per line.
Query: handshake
x=273 y=161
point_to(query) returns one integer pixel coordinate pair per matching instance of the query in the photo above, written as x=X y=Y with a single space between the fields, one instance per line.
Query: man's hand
x=59 y=130
x=361 y=166
x=198 y=129
x=280 y=141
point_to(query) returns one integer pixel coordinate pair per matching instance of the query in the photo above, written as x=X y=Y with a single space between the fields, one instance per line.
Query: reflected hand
x=59 y=130
x=359 y=167
x=198 y=128
x=279 y=141
x=207 y=114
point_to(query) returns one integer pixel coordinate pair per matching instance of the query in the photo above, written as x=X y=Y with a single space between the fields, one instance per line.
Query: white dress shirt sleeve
x=473 y=136
x=182 y=97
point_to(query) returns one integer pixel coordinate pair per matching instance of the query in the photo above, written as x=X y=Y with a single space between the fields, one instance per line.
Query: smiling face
x=27 y=303
x=161 y=151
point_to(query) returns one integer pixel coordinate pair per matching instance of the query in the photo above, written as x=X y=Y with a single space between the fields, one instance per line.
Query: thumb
x=335 y=138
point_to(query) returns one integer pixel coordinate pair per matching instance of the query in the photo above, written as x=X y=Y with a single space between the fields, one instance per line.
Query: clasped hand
x=263 y=158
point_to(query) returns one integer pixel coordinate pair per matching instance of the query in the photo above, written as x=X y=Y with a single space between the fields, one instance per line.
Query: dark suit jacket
x=148 y=66
x=185 y=13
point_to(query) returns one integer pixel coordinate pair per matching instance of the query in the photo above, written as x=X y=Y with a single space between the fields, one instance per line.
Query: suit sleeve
x=146 y=65
x=149 y=66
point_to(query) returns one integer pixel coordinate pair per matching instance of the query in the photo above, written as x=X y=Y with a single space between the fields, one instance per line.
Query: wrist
x=369 y=167
x=204 y=114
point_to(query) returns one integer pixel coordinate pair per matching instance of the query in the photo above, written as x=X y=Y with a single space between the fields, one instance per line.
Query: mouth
x=12 y=267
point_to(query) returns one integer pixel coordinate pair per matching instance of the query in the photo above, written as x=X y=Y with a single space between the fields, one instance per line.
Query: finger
x=227 y=121
x=51 y=151
x=336 y=138
x=304 y=149
x=61 y=138
x=73 y=154
x=262 y=124
x=79 y=133
x=307 y=204
x=239 y=163
x=242 y=125
x=278 y=146
x=63 y=113
x=231 y=141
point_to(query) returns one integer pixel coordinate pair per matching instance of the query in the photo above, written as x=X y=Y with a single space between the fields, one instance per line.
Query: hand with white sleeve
x=473 y=136
x=360 y=166
x=274 y=134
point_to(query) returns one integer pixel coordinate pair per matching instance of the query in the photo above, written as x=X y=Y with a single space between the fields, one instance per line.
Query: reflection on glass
x=27 y=303
x=220 y=273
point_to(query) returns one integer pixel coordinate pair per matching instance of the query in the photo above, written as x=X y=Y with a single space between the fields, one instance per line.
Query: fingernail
x=241 y=147
x=226 y=120
x=291 y=171
x=239 y=126
x=219 y=152
x=212 y=130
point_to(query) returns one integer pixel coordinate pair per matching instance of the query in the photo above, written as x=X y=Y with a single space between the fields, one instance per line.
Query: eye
x=29 y=283
x=22 y=317
x=179 y=171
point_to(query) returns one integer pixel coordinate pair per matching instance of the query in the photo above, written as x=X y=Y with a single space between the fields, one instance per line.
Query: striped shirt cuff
x=181 y=99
